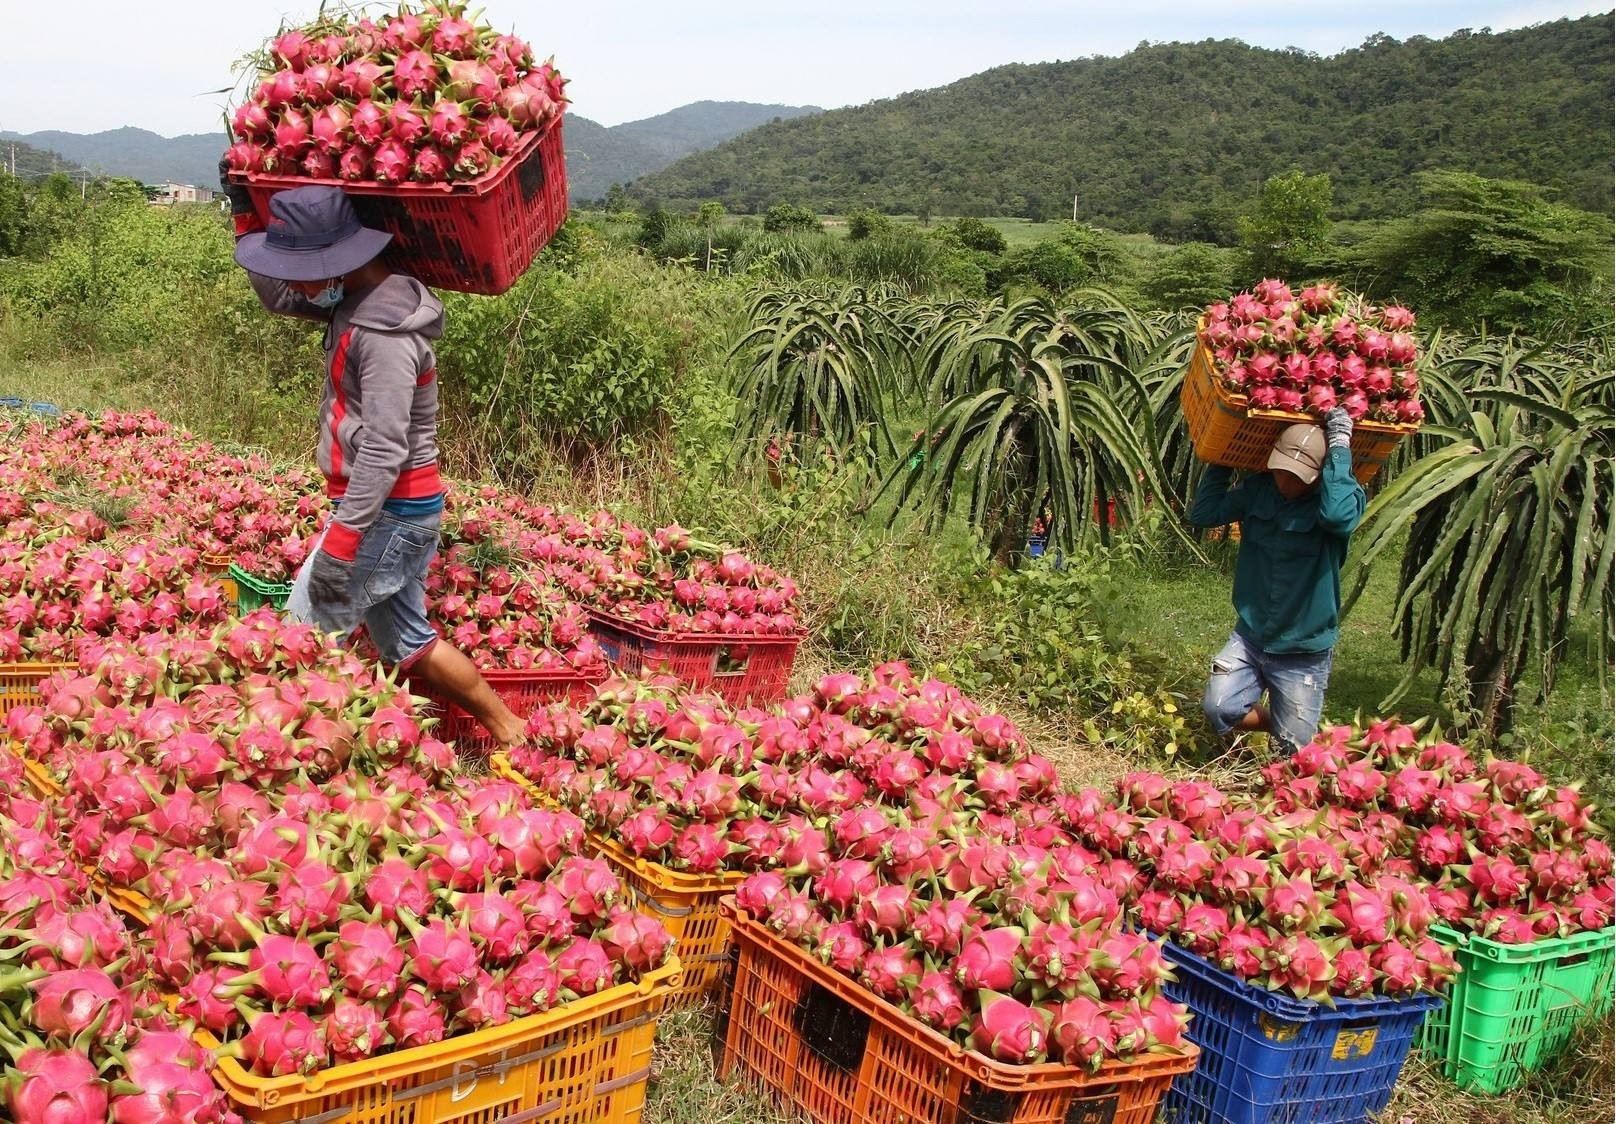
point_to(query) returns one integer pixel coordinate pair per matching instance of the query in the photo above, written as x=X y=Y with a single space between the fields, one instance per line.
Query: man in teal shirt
x=1295 y=520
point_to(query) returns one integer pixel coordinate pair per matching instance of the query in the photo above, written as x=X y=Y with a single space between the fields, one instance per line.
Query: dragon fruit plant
x=1291 y=899
x=426 y=95
x=86 y=1037
x=685 y=781
x=1502 y=853
x=1316 y=350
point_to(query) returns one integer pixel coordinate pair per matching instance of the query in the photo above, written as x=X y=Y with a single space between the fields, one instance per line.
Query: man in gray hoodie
x=378 y=443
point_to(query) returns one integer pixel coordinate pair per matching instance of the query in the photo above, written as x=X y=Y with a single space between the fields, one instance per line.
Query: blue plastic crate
x=1270 y=1058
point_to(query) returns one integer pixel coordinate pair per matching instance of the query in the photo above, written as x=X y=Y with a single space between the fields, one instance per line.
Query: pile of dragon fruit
x=320 y=888
x=428 y=95
x=1316 y=350
x=894 y=827
x=86 y=1037
x=687 y=781
x=1266 y=892
x=498 y=605
x=1502 y=853
x=664 y=579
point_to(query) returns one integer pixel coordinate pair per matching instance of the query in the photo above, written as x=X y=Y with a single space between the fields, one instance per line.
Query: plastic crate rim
x=1289 y=1007
x=1546 y=948
x=246 y=1086
x=646 y=632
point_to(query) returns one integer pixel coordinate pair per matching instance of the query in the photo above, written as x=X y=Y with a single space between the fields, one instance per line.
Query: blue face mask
x=328 y=297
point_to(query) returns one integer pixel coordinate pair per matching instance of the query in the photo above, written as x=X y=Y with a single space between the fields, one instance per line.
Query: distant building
x=171 y=193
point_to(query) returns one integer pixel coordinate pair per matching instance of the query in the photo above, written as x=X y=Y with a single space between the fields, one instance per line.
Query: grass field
x=1170 y=614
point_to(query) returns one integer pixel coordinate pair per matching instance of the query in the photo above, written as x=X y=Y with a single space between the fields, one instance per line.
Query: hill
x=1147 y=139
x=597 y=156
x=137 y=153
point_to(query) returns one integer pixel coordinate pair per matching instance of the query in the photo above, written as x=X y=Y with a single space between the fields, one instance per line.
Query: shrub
x=974 y=234
x=783 y=217
x=862 y=223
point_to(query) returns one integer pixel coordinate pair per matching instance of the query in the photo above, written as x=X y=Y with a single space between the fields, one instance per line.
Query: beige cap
x=1300 y=449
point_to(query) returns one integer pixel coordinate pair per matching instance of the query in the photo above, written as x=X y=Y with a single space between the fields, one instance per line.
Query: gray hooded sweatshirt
x=379 y=414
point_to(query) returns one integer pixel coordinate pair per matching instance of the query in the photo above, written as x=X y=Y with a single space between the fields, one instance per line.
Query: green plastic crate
x=253 y=592
x=1515 y=1005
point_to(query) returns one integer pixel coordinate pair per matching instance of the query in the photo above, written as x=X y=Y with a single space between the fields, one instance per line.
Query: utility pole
x=1074 y=208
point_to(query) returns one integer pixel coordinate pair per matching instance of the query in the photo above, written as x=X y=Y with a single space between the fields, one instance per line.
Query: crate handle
x=737 y=656
x=1573 y=960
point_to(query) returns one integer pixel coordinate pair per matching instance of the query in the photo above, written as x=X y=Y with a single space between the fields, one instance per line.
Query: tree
x=1509 y=531
x=710 y=214
x=1496 y=252
x=784 y=217
x=974 y=234
x=862 y=222
x=13 y=215
x=1189 y=276
x=1291 y=221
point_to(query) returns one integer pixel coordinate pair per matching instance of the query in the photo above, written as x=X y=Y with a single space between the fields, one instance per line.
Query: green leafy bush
x=784 y=217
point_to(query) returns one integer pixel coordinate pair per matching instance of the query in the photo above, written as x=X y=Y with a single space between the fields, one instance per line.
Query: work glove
x=242 y=214
x=330 y=595
x=1338 y=429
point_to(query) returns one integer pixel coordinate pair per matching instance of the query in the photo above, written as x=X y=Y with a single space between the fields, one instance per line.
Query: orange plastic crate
x=843 y=1055
x=1225 y=431
x=741 y=670
x=585 y=1063
x=522 y=691
x=19 y=683
x=686 y=904
x=476 y=236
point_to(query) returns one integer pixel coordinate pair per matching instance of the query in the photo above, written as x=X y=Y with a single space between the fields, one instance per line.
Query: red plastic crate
x=742 y=670
x=524 y=692
x=476 y=236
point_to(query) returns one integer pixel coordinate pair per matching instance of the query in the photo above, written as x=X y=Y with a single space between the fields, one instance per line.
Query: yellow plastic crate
x=686 y=904
x=1224 y=431
x=19 y=683
x=585 y=1063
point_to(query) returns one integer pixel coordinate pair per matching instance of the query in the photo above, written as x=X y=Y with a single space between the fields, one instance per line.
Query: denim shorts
x=388 y=587
x=1295 y=683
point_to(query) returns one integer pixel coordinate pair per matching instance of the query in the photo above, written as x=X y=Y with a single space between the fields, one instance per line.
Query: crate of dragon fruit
x=1515 y=1006
x=523 y=691
x=444 y=133
x=1269 y=358
x=843 y=1055
x=741 y=669
x=1270 y=1058
x=686 y=903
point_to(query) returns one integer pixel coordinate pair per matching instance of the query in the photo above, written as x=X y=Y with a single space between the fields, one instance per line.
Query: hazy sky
x=121 y=62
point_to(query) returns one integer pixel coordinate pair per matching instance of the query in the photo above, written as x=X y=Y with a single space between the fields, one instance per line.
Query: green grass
x=684 y=1089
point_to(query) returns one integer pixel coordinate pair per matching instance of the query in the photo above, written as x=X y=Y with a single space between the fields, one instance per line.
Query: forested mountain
x=137 y=153
x=1155 y=137
x=598 y=157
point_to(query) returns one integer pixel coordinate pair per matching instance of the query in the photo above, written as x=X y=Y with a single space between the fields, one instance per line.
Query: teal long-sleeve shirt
x=1287 y=578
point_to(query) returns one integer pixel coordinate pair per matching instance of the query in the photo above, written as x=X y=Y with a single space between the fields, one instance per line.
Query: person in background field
x=378 y=434
x=1295 y=520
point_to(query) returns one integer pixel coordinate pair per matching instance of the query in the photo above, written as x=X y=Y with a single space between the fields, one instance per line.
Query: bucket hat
x=1300 y=449
x=313 y=234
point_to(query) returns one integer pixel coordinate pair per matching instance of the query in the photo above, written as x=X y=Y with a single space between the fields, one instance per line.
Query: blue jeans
x=388 y=587
x=1295 y=683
